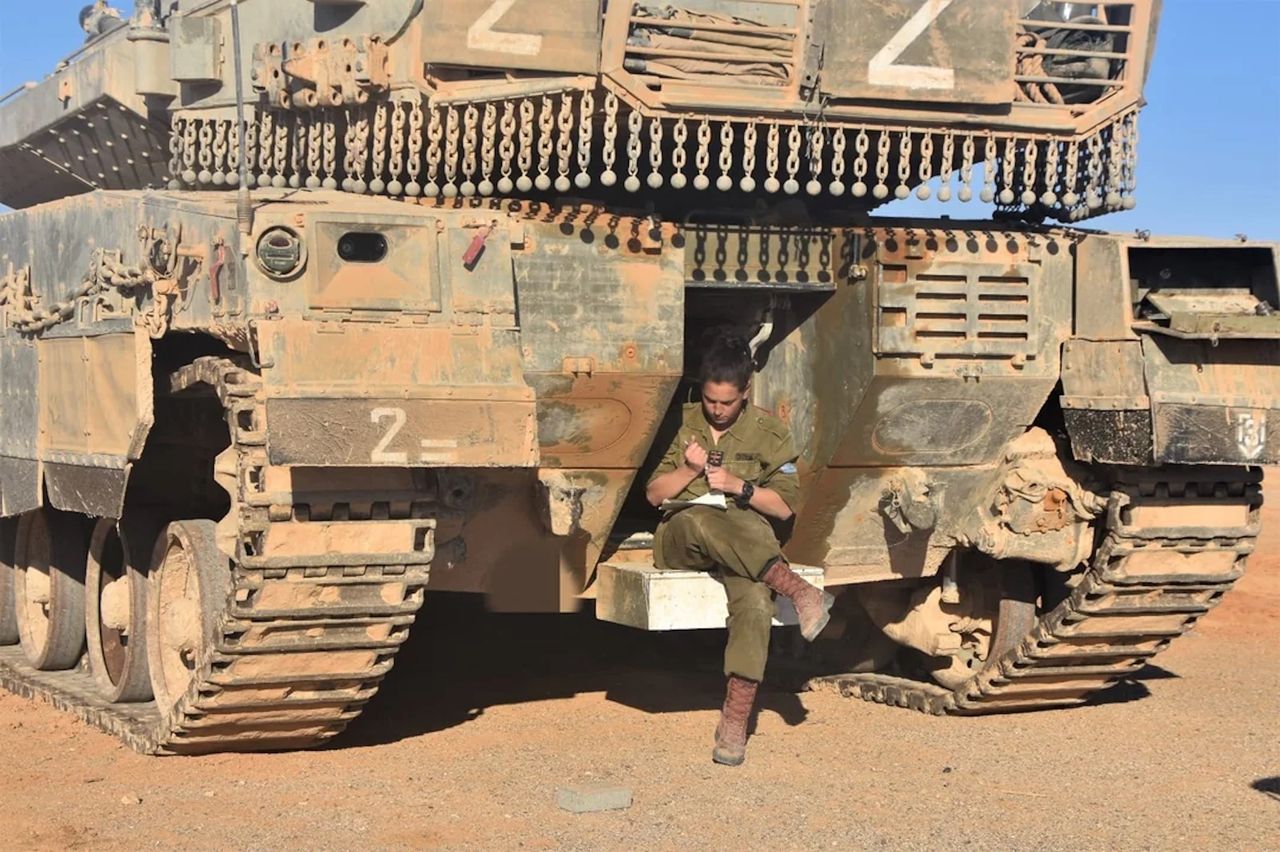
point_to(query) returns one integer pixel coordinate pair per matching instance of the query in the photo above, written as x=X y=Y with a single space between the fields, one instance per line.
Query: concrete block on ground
x=590 y=798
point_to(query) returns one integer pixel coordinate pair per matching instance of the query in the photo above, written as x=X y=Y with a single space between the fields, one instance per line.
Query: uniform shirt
x=757 y=449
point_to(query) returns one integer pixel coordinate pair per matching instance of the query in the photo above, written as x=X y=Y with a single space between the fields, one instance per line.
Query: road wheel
x=50 y=557
x=116 y=614
x=189 y=585
x=8 y=616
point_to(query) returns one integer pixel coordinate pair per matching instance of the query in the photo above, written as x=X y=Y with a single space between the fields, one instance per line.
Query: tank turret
x=1028 y=105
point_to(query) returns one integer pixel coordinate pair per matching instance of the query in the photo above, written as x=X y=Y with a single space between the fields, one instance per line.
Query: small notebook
x=714 y=499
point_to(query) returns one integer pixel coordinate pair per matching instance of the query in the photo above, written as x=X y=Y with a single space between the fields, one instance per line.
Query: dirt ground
x=484 y=717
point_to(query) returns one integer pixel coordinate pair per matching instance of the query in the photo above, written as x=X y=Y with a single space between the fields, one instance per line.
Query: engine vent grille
x=958 y=311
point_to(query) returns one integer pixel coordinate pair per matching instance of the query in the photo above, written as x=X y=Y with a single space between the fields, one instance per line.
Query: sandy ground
x=484 y=717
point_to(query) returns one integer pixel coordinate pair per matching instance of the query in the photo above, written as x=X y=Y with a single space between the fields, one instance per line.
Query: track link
x=1175 y=544
x=299 y=647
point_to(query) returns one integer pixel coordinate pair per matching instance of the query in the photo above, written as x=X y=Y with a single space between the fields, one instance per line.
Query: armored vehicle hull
x=294 y=444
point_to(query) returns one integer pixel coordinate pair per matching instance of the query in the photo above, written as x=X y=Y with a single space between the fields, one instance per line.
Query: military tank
x=311 y=306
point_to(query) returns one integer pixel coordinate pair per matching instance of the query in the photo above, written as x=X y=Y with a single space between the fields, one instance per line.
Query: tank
x=312 y=307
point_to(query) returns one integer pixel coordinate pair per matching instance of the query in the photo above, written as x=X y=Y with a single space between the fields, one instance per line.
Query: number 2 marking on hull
x=433 y=449
x=482 y=36
x=380 y=453
x=882 y=71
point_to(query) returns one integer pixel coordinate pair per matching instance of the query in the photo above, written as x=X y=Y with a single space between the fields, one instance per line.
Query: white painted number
x=882 y=70
x=482 y=36
x=1251 y=434
x=380 y=453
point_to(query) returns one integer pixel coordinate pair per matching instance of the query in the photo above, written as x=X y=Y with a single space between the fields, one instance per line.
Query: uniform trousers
x=741 y=544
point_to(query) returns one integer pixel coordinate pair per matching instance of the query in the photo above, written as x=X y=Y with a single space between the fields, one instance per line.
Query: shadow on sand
x=1131 y=688
x=1268 y=787
x=461 y=659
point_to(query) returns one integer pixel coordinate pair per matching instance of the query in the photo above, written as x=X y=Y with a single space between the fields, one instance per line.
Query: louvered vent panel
x=965 y=312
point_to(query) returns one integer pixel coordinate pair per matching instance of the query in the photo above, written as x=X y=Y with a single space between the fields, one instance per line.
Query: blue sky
x=1209 y=158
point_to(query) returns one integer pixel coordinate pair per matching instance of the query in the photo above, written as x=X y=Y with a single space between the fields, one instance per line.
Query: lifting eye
x=362 y=247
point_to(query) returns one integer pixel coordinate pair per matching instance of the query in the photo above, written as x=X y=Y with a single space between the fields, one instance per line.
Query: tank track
x=1159 y=569
x=300 y=648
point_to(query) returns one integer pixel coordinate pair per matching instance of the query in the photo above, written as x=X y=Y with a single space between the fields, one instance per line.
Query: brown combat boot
x=731 y=733
x=813 y=605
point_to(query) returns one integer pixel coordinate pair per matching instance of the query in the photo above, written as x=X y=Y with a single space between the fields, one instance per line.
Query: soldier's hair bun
x=726 y=357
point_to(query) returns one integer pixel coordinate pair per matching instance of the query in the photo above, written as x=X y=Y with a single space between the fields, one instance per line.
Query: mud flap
x=1213 y=404
x=1166 y=400
x=74 y=413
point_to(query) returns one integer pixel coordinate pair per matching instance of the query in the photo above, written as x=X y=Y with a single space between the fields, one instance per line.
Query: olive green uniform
x=741 y=543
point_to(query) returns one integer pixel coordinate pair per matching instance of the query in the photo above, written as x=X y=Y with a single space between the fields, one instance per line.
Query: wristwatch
x=744 y=499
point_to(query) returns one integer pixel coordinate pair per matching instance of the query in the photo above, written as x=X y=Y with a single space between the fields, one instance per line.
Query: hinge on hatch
x=579 y=366
x=814 y=53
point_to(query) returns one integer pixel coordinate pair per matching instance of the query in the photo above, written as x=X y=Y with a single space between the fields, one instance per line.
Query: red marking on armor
x=476 y=249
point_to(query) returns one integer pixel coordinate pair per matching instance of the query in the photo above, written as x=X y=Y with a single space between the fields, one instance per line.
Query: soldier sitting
x=758 y=479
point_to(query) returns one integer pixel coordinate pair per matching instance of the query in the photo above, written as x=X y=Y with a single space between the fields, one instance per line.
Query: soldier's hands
x=722 y=480
x=695 y=457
